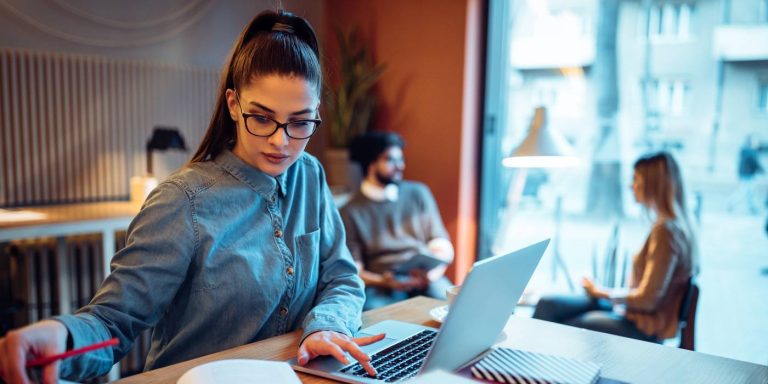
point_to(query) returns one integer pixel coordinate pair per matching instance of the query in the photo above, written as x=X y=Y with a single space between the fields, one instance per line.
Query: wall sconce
x=162 y=139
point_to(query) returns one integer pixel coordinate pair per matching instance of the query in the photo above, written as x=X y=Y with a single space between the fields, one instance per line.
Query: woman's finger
x=51 y=372
x=2 y=360
x=329 y=347
x=303 y=356
x=358 y=354
x=366 y=340
x=15 y=359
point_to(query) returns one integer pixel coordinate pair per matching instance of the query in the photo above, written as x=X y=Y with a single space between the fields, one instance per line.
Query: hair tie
x=280 y=27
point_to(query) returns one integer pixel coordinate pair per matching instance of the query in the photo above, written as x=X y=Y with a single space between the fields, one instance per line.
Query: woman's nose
x=279 y=138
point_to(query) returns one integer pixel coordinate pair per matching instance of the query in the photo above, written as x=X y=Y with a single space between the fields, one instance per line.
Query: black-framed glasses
x=264 y=126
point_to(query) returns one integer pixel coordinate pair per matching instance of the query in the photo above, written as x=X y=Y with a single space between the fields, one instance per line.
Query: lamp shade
x=163 y=138
x=166 y=138
x=542 y=147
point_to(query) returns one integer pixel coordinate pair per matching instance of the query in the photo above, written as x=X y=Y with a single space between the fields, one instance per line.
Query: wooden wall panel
x=74 y=127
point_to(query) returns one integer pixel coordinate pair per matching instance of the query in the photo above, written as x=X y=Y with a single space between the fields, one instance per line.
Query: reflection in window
x=670 y=21
x=764 y=11
x=762 y=96
x=667 y=97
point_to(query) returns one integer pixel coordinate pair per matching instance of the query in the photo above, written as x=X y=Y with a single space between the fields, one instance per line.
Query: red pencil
x=49 y=359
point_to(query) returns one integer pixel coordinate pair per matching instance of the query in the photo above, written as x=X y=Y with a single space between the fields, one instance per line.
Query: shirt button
x=273 y=198
x=290 y=270
x=283 y=311
x=278 y=233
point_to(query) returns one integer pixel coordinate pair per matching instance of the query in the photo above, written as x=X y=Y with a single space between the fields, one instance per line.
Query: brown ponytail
x=273 y=43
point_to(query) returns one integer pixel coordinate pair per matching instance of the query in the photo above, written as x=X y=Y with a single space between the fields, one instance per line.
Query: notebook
x=506 y=365
x=240 y=371
x=419 y=261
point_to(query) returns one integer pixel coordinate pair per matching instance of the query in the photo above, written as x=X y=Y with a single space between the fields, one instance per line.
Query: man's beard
x=388 y=179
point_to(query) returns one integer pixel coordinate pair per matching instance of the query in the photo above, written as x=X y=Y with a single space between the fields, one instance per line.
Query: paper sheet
x=440 y=377
x=240 y=371
x=7 y=216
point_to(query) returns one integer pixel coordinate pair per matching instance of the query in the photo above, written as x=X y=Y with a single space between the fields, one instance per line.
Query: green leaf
x=352 y=102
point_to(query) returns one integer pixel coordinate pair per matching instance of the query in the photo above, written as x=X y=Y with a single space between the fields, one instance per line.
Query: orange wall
x=429 y=94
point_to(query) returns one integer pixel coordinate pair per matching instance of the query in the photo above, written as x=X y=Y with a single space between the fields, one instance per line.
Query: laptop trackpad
x=395 y=331
x=377 y=346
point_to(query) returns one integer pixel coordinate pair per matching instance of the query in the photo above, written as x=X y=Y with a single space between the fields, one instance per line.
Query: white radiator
x=73 y=128
x=44 y=277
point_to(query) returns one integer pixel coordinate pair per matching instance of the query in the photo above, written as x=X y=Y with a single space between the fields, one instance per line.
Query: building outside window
x=560 y=55
x=670 y=21
x=763 y=12
x=668 y=97
x=762 y=95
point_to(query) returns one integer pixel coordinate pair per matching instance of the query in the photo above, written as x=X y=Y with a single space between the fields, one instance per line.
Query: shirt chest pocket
x=307 y=256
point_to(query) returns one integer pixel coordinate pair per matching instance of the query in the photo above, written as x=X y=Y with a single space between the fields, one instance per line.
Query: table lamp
x=543 y=148
x=162 y=139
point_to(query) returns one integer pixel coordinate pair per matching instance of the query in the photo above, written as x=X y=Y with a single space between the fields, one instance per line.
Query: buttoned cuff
x=85 y=329
x=317 y=323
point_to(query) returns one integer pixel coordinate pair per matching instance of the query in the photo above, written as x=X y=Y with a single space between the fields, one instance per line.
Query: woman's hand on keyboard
x=335 y=344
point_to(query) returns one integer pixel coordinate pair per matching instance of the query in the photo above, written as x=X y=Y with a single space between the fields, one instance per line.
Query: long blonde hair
x=664 y=192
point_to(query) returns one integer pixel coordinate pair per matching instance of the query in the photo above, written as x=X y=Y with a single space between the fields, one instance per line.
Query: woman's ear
x=232 y=105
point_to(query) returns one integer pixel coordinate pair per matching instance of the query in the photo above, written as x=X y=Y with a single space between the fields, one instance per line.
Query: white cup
x=451 y=293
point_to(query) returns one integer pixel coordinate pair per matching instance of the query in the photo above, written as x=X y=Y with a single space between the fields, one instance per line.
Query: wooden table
x=72 y=219
x=622 y=359
x=60 y=221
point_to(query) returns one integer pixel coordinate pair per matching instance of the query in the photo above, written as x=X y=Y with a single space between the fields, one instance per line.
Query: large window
x=762 y=95
x=669 y=21
x=763 y=11
x=667 y=97
x=604 y=88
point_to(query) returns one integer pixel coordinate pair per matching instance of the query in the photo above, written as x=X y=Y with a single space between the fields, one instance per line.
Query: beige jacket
x=660 y=272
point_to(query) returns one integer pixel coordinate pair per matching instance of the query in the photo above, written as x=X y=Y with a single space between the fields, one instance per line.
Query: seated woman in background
x=660 y=271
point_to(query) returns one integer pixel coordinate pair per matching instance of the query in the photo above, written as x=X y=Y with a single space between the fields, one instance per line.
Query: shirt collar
x=258 y=181
x=377 y=193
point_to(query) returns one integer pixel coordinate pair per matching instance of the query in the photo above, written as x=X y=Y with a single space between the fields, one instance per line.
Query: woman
x=660 y=271
x=243 y=244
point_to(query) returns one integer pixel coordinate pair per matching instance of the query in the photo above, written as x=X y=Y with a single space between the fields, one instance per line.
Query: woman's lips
x=275 y=158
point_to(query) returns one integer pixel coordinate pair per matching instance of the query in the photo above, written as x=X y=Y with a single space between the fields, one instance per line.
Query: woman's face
x=282 y=99
x=638 y=186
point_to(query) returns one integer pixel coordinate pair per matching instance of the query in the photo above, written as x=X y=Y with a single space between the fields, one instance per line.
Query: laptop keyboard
x=399 y=361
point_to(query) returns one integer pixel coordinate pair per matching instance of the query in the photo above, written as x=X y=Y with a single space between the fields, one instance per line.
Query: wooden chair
x=687 y=323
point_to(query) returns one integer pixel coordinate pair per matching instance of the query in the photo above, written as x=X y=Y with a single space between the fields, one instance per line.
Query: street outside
x=733 y=249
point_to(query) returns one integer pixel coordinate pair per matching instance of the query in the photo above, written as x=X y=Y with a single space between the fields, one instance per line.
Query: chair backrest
x=609 y=263
x=687 y=316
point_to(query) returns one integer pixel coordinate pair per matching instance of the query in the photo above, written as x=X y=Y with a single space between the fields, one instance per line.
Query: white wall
x=52 y=25
x=115 y=81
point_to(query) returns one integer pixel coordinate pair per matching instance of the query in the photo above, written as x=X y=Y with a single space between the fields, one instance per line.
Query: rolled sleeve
x=145 y=277
x=88 y=330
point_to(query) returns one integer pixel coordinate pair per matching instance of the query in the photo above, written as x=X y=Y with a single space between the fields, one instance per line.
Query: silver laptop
x=478 y=314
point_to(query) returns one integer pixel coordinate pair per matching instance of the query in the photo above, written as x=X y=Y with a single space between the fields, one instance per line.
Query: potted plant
x=349 y=107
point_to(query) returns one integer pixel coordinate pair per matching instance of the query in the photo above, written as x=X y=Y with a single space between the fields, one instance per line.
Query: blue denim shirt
x=221 y=255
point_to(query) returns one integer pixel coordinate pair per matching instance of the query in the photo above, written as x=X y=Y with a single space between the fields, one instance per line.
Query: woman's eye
x=300 y=123
x=262 y=119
